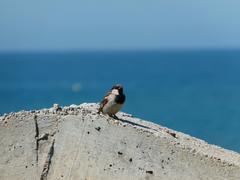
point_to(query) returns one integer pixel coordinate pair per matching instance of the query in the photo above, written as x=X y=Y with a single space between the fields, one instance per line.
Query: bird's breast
x=111 y=107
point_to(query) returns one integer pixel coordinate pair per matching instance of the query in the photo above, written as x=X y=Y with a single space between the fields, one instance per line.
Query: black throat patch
x=120 y=99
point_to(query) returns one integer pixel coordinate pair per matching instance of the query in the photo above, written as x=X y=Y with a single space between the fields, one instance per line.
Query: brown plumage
x=103 y=102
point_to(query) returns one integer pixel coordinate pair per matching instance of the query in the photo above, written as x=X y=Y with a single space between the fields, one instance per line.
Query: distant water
x=197 y=92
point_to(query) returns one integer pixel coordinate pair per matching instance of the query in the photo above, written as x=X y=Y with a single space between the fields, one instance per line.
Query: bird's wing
x=103 y=102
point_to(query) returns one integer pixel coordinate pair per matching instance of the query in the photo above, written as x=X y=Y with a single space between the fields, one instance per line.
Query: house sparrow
x=113 y=101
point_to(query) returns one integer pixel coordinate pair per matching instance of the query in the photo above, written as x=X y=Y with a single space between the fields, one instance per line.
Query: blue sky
x=46 y=25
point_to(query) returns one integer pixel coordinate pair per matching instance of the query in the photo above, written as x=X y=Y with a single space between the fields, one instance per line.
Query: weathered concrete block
x=77 y=143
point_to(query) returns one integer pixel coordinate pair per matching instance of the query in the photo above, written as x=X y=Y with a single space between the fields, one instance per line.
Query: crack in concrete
x=47 y=163
x=36 y=137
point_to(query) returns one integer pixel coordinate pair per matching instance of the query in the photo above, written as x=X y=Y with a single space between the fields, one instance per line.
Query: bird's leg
x=114 y=116
x=99 y=110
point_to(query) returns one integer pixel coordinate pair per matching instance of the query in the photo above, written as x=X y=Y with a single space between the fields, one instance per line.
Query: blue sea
x=196 y=92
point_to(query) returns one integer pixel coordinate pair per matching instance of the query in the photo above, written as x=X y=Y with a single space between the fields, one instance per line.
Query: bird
x=113 y=101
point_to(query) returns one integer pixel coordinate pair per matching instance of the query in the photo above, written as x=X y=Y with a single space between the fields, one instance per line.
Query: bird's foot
x=114 y=116
x=99 y=111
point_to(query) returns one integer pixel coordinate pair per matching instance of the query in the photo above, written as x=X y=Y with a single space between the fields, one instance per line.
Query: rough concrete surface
x=76 y=143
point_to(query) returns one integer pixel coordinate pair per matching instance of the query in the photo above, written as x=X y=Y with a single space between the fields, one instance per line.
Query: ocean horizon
x=195 y=92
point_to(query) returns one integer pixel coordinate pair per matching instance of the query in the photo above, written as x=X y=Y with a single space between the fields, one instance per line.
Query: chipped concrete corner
x=76 y=143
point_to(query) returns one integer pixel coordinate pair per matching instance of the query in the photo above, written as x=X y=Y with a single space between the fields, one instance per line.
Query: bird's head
x=118 y=87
